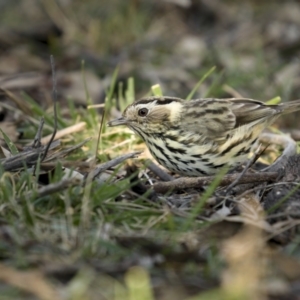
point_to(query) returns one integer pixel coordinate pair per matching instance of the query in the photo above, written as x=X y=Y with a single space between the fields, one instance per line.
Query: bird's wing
x=216 y=118
x=248 y=111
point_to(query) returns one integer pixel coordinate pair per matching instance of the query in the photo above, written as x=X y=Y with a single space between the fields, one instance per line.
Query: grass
x=95 y=229
x=83 y=223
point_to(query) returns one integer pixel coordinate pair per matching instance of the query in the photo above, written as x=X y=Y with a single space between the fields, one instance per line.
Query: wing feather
x=217 y=118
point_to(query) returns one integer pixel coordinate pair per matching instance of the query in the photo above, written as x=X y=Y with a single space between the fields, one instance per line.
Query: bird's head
x=150 y=115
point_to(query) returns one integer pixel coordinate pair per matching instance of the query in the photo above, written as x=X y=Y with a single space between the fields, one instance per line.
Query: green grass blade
x=13 y=149
x=156 y=90
x=212 y=89
x=37 y=110
x=109 y=103
x=274 y=101
x=110 y=92
x=130 y=95
x=207 y=74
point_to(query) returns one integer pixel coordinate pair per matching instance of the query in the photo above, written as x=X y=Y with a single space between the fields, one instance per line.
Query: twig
x=67 y=151
x=101 y=168
x=99 y=133
x=66 y=163
x=28 y=157
x=54 y=99
x=186 y=182
x=164 y=176
x=63 y=132
x=50 y=189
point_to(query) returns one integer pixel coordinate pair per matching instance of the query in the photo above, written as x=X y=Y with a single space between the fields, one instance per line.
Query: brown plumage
x=198 y=137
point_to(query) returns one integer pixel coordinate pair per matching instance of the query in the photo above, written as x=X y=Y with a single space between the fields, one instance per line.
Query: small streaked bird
x=198 y=137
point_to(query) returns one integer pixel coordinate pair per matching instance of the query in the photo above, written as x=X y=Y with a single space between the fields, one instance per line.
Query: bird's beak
x=117 y=122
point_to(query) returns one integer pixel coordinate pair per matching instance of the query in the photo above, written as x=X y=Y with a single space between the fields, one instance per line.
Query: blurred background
x=254 y=46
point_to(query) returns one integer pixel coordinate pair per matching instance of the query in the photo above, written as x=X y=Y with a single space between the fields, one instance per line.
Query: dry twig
x=164 y=176
x=63 y=132
x=28 y=158
x=116 y=161
x=186 y=182
x=50 y=189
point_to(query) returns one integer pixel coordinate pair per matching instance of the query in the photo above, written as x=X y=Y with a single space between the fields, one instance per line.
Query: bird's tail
x=291 y=106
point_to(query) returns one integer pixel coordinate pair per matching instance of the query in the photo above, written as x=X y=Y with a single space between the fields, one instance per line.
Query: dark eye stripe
x=166 y=101
x=159 y=100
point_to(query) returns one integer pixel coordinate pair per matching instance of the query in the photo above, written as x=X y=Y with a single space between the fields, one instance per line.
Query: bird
x=199 y=137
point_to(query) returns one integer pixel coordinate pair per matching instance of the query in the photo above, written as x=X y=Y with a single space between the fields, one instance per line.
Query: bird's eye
x=143 y=112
